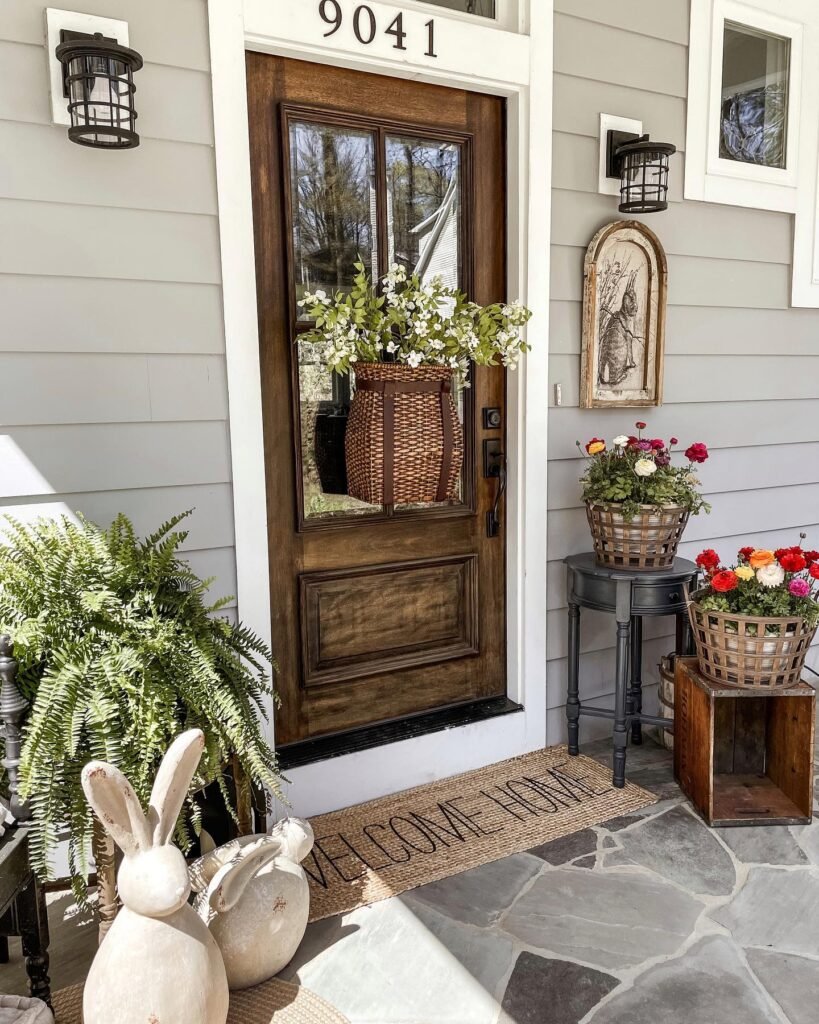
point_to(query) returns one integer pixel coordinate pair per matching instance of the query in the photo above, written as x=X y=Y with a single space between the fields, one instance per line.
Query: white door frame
x=519 y=67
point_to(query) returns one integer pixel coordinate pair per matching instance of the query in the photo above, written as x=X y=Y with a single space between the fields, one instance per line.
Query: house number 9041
x=366 y=27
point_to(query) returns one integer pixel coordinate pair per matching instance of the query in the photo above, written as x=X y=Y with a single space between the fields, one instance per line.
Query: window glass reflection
x=483 y=8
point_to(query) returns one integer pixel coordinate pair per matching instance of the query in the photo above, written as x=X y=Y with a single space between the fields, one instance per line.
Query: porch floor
x=652 y=917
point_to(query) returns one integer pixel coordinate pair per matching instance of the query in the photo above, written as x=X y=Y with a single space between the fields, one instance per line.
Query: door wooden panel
x=375 y=614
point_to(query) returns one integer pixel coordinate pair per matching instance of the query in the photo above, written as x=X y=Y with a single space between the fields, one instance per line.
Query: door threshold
x=323 y=748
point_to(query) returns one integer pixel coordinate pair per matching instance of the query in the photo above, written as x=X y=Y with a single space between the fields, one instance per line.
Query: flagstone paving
x=651 y=917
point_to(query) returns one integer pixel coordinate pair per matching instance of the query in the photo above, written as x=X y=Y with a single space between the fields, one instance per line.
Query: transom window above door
x=483 y=8
x=385 y=194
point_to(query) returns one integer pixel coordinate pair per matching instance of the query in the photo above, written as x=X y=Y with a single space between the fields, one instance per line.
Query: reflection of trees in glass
x=334 y=204
x=423 y=184
x=483 y=8
x=754 y=126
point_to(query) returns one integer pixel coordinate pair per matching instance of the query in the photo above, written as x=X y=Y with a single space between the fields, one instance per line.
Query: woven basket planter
x=404 y=441
x=646 y=543
x=748 y=651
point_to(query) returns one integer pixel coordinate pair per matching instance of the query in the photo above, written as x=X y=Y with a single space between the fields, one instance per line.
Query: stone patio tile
x=544 y=991
x=607 y=918
x=777 y=909
x=481 y=895
x=708 y=985
x=390 y=963
x=807 y=836
x=791 y=980
x=768 y=845
x=682 y=849
x=560 y=851
x=586 y=862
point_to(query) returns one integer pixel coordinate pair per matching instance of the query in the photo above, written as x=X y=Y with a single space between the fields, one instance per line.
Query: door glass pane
x=333 y=205
x=754 y=114
x=483 y=8
x=424 y=207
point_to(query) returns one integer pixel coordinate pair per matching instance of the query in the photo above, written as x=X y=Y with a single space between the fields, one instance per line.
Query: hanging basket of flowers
x=409 y=347
x=754 y=622
x=637 y=502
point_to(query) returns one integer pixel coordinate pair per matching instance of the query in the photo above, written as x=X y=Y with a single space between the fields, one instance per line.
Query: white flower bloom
x=445 y=306
x=621 y=440
x=391 y=347
x=320 y=295
x=415 y=359
x=772 y=575
x=421 y=330
x=645 y=467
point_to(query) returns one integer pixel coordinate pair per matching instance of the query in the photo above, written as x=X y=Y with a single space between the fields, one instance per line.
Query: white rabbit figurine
x=255 y=898
x=158 y=963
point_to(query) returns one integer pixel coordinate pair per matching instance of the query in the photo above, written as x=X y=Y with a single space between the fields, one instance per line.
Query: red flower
x=640 y=425
x=814 y=570
x=657 y=444
x=708 y=560
x=811 y=556
x=792 y=561
x=674 y=440
x=724 y=581
x=745 y=553
x=696 y=452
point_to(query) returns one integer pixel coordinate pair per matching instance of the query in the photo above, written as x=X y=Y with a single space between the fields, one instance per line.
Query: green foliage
x=120 y=652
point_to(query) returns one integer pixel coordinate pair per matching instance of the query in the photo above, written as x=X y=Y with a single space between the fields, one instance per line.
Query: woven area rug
x=274 y=1002
x=378 y=849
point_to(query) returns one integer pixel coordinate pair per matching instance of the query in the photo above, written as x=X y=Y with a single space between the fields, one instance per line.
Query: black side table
x=629 y=596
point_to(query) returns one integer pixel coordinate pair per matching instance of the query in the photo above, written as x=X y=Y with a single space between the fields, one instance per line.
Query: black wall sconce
x=642 y=167
x=98 y=76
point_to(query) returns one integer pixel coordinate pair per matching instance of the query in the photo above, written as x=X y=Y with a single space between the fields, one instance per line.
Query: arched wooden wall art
x=624 y=302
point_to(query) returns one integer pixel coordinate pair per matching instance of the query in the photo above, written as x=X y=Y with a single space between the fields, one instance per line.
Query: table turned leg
x=621 y=682
x=573 y=693
x=685 y=636
x=32 y=919
x=634 y=700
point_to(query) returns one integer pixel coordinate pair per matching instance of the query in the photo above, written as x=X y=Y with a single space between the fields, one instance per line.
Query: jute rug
x=378 y=849
x=274 y=1002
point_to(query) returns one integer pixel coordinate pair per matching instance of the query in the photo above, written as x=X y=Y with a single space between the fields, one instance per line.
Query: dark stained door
x=376 y=614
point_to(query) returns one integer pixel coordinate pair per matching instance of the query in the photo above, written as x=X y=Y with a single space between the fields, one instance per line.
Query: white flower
x=771 y=575
x=421 y=329
x=445 y=306
x=415 y=359
x=645 y=467
x=620 y=441
x=320 y=295
x=391 y=347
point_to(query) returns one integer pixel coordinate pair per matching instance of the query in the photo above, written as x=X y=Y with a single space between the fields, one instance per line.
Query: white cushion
x=19 y=1010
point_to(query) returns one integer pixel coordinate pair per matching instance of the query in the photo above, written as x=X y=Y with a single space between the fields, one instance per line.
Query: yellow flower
x=596 y=447
x=745 y=572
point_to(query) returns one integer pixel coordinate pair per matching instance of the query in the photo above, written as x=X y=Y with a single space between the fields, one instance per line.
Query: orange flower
x=760 y=558
x=595 y=446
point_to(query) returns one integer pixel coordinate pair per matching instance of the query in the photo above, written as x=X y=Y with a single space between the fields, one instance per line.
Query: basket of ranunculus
x=754 y=622
x=637 y=501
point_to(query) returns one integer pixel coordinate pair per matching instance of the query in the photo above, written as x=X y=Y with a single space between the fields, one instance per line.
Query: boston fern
x=119 y=651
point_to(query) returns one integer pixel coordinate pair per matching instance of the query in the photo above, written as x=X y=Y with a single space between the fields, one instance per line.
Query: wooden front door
x=377 y=614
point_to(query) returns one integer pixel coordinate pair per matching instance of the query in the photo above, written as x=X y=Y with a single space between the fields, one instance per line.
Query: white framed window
x=505 y=14
x=745 y=101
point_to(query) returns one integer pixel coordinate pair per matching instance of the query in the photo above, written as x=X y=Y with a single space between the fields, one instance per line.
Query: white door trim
x=515 y=66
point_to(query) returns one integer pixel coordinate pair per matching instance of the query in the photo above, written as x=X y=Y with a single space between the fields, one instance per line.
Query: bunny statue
x=255 y=898
x=158 y=962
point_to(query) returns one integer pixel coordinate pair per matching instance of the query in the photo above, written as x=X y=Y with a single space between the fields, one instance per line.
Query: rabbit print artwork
x=624 y=302
x=158 y=964
x=255 y=898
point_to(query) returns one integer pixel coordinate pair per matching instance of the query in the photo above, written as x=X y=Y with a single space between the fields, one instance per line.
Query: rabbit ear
x=231 y=880
x=116 y=805
x=172 y=782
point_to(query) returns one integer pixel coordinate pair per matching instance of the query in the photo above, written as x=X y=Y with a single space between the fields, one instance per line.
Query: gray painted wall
x=742 y=368
x=112 y=369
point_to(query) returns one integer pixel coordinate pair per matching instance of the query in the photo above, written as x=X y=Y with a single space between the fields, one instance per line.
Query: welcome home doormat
x=368 y=852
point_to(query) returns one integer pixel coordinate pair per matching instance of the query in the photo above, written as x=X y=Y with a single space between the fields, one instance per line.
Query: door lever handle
x=497 y=470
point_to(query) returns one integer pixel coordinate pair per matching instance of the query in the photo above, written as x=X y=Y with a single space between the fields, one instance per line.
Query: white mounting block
x=56 y=21
x=611 y=122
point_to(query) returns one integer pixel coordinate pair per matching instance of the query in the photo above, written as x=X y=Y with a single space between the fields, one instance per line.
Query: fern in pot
x=119 y=651
x=637 y=501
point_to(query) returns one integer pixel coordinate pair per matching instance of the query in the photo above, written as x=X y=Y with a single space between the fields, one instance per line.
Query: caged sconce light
x=98 y=81
x=642 y=167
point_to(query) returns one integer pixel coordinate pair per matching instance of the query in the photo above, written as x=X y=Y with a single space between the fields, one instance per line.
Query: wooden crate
x=742 y=758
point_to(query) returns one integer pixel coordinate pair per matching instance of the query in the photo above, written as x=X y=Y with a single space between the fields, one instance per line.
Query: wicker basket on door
x=646 y=543
x=749 y=651
x=404 y=441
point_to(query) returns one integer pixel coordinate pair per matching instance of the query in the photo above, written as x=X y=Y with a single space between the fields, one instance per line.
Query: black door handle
x=493 y=515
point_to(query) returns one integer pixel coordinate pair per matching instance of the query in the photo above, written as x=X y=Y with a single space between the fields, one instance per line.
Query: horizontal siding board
x=210 y=526
x=575 y=169
x=606 y=54
x=79 y=241
x=219 y=563
x=164 y=32
x=597 y=632
x=708 y=330
x=728 y=470
x=99 y=457
x=578 y=103
x=157 y=175
x=702 y=379
x=667 y=20
x=187 y=387
x=173 y=103
x=49 y=314
x=688 y=229
x=692 y=281
x=597 y=675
